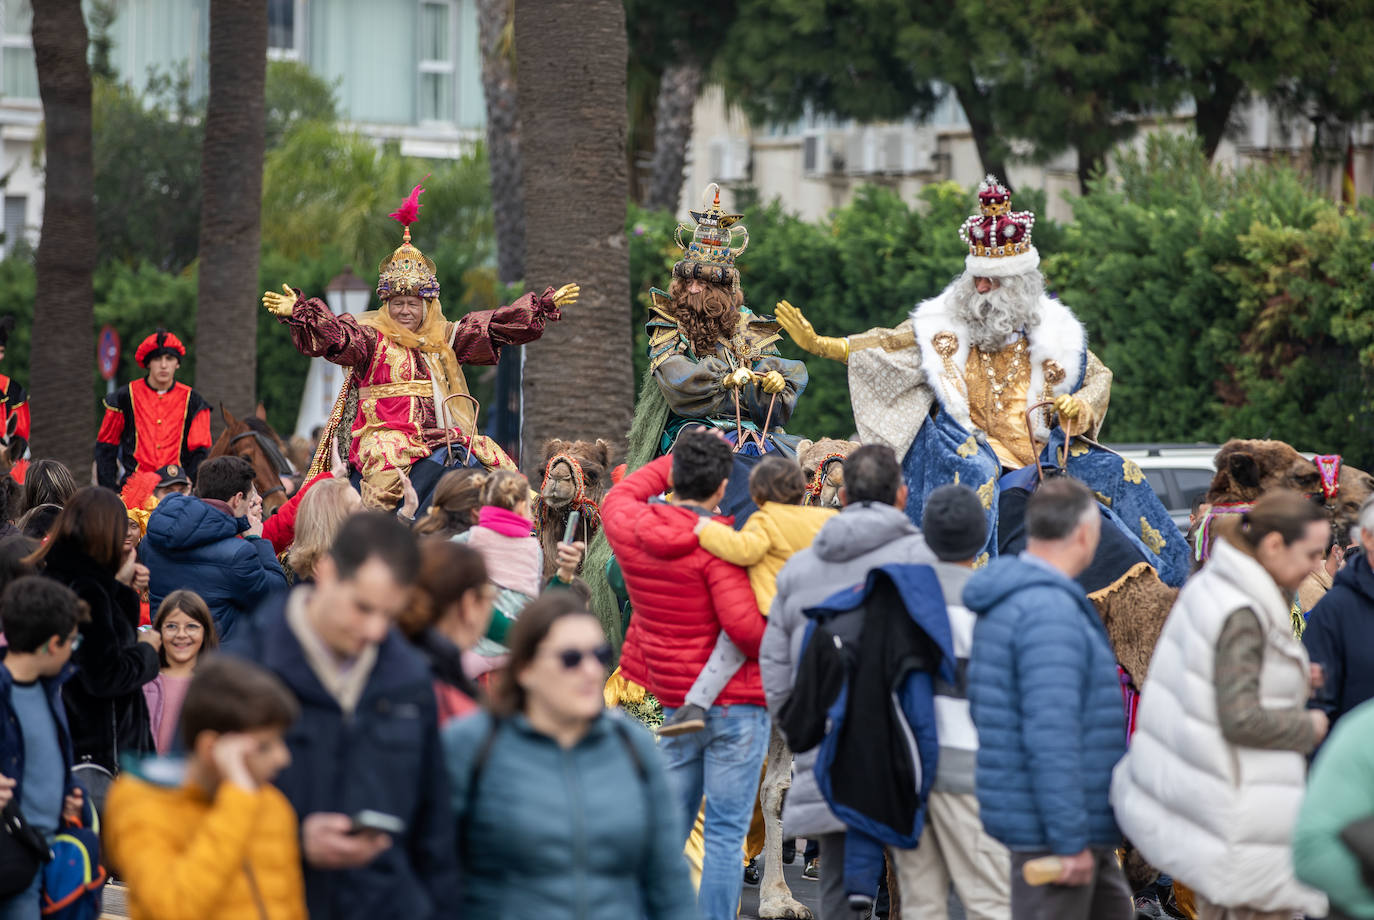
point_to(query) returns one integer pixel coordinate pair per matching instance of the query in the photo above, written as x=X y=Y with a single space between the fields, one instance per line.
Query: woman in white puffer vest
x=1210 y=788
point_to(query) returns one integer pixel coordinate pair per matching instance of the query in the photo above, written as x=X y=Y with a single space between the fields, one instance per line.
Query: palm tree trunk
x=494 y=18
x=495 y=25
x=677 y=100
x=231 y=205
x=578 y=378
x=62 y=358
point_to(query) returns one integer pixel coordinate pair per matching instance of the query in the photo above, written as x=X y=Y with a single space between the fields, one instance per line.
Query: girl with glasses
x=563 y=808
x=188 y=632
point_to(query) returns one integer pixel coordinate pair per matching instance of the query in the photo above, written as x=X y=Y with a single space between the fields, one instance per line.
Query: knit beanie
x=954 y=523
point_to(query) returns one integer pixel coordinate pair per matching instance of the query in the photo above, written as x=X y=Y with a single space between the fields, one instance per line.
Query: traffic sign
x=107 y=352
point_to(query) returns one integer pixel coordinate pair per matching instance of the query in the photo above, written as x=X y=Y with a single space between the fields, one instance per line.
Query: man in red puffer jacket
x=683 y=597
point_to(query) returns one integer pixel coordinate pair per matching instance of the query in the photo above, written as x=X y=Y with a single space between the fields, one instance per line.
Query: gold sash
x=402 y=388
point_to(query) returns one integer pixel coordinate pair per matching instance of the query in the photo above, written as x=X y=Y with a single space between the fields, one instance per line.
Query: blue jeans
x=26 y=905
x=723 y=762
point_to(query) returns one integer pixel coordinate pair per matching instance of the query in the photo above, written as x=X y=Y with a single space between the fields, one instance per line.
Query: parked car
x=1178 y=473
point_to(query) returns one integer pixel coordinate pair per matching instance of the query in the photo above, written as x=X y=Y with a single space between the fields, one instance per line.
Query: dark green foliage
x=1226 y=305
x=295 y=94
x=146 y=150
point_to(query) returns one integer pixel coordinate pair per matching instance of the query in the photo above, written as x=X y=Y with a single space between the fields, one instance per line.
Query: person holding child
x=780 y=527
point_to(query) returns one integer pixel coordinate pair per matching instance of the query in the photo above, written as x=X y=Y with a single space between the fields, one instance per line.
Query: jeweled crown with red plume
x=998 y=238
x=407 y=270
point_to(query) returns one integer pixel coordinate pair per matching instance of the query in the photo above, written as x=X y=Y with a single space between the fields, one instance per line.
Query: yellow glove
x=279 y=304
x=799 y=328
x=737 y=378
x=1075 y=415
x=773 y=382
x=567 y=295
x=1070 y=407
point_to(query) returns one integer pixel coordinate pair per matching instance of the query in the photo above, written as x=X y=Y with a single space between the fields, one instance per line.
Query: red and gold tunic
x=14 y=424
x=144 y=430
x=402 y=388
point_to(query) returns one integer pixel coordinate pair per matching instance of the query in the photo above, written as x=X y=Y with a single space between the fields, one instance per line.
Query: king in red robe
x=406 y=364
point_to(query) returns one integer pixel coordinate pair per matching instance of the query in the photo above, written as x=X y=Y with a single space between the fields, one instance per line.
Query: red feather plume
x=409 y=210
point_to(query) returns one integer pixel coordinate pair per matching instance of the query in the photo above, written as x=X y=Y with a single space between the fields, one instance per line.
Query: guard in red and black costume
x=152 y=423
x=14 y=411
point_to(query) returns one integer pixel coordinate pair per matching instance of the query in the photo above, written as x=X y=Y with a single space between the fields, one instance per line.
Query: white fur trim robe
x=896 y=375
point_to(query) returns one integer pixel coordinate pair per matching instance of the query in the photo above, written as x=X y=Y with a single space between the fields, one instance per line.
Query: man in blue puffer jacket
x=1046 y=701
x=194 y=542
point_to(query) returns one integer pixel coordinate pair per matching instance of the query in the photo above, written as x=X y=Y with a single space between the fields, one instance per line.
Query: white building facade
x=405 y=70
x=814 y=166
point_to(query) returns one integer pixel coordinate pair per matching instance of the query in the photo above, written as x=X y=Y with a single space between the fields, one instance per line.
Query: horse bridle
x=273 y=454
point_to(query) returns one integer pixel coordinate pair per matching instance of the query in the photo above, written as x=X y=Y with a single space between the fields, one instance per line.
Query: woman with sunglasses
x=563 y=808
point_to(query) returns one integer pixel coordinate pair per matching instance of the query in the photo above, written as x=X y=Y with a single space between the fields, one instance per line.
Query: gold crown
x=711 y=256
x=407 y=271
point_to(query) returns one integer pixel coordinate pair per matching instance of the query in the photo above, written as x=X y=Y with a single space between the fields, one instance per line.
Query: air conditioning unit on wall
x=822 y=154
x=861 y=153
x=729 y=159
x=906 y=149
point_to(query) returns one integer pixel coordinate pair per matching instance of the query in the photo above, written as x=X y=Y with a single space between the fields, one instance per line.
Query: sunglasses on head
x=572 y=657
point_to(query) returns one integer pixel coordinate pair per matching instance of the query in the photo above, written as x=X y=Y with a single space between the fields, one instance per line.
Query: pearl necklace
x=999 y=386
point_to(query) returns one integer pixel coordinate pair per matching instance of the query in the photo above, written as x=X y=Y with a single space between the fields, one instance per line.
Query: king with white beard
x=949 y=388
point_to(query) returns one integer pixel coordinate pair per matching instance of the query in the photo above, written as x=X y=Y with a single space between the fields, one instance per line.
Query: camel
x=823 y=465
x=1246 y=469
x=576 y=477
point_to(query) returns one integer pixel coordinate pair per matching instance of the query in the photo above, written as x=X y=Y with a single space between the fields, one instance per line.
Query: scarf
x=513 y=558
x=430 y=340
x=345 y=681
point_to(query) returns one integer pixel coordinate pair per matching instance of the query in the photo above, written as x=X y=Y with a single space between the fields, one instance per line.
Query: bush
x=1227 y=305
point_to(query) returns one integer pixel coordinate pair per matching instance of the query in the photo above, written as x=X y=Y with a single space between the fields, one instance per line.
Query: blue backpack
x=73 y=879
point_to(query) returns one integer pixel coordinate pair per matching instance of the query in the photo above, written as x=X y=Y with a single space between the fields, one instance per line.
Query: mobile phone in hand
x=368 y=821
x=570 y=532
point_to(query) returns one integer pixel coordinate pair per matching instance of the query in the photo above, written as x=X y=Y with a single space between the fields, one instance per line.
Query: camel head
x=559 y=488
x=823 y=465
x=1246 y=469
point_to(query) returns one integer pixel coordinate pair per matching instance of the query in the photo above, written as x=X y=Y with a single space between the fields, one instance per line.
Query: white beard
x=992 y=318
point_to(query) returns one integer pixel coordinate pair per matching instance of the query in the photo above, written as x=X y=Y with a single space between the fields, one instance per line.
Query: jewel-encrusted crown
x=997 y=231
x=710 y=255
x=407 y=271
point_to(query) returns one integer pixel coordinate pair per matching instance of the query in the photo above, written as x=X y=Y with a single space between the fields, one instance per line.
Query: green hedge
x=1227 y=305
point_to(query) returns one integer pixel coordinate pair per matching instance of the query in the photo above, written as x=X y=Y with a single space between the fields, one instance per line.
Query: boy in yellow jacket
x=223 y=844
x=780 y=527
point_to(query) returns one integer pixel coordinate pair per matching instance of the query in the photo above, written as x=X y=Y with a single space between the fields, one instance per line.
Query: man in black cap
x=954 y=848
x=172 y=478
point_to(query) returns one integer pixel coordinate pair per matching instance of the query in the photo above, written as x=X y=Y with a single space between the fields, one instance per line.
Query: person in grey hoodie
x=872 y=530
x=954 y=847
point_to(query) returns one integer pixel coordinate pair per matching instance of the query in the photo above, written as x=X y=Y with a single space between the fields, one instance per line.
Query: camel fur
x=561 y=492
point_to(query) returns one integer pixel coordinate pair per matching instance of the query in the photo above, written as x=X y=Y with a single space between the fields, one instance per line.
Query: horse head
x=253 y=439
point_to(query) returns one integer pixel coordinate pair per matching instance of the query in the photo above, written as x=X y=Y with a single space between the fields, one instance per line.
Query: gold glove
x=1069 y=407
x=773 y=382
x=737 y=378
x=1075 y=415
x=799 y=328
x=279 y=304
x=567 y=295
